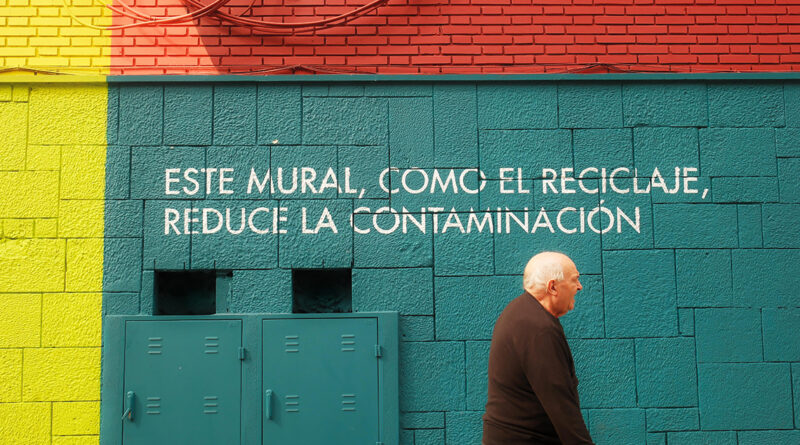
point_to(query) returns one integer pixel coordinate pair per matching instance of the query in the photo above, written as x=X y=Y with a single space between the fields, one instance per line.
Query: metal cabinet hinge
x=242 y=353
x=378 y=351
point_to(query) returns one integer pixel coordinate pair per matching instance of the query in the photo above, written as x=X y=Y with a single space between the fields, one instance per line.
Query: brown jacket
x=533 y=390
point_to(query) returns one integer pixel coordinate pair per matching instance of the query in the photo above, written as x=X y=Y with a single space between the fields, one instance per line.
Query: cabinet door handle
x=130 y=399
x=268 y=403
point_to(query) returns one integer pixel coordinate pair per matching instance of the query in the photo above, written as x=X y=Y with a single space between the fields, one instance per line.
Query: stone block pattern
x=685 y=331
x=51 y=256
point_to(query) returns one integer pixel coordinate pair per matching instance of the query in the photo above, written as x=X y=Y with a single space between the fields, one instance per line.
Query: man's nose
x=580 y=287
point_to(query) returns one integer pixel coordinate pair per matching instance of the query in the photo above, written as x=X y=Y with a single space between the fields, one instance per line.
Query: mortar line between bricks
x=433 y=296
x=444 y=414
x=389 y=132
x=602 y=288
x=622 y=115
x=477 y=118
x=494 y=235
x=783 y=96
x=388 y=155
x=791 y=391
x=27 y=129
x=708 y=114
x=58 y=224
x=278 y=249
x=22 y=372
x=763 y=337
x=256 y=116
x=117 y=94
x=142 y=206
x=697 y=370
x=733 y=277
x=433 y=127
x=558 y=110
x=738 y=230
x=572 y=153
x=41 y=317
x=675 y=286
x=130 y=181
x=302 y=128
x=653 y=234
x=141 y=282
x=636 y=380
x=213 y=113
x=633 y=150
x=775 y=147
x=464 y=405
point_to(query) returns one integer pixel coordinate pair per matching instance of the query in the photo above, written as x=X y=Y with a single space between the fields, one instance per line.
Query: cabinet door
x=186 y=380
x=320 y=382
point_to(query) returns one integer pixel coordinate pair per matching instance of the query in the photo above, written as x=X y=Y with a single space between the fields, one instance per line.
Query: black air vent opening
x=317 y=291
x=185 y=292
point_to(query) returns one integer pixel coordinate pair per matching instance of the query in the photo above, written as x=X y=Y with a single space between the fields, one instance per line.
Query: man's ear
x=551 y=286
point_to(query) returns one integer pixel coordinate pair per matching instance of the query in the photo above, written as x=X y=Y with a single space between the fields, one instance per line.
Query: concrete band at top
x=685 y=329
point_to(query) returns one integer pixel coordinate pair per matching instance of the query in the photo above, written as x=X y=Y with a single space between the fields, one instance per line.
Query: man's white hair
x=542 y=268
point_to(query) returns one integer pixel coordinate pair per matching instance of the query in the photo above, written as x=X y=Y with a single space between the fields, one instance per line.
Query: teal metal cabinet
x=182 y=382
x=251 y=379
x=320 y=380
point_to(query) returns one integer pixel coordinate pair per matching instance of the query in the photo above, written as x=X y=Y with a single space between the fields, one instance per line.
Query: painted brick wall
x=684 y=332
x=479 y=36
x=40 y=34
x=52 y=158
x=476 y=36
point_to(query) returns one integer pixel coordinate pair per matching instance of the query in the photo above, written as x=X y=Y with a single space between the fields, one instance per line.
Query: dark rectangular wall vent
x=317 y=291
x=185 y=292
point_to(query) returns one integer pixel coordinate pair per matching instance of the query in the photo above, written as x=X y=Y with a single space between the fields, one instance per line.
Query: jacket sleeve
x=549 y=371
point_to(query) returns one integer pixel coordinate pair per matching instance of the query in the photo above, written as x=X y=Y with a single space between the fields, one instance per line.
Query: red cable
x=212 y=10
x=205 y=10
x=314 y=24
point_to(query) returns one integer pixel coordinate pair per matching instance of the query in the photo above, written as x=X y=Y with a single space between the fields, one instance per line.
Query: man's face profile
x=568 y=287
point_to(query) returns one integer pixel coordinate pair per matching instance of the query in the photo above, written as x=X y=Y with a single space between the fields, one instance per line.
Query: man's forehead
x=569 y=266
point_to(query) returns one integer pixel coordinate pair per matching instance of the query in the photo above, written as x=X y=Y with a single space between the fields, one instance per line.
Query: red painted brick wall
x=473 y=36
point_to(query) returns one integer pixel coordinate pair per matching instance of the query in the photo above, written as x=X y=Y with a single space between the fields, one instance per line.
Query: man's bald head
x=542 y=268
x=552 y=278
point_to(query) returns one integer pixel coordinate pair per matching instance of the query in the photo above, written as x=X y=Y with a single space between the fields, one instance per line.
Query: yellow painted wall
x=41 y=34
x=52 y=178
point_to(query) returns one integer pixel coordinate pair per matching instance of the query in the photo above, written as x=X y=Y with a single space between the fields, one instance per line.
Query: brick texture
x=46 y=35
x=477 y=36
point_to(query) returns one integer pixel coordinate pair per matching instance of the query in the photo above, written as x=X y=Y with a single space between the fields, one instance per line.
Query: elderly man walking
x=533 y=390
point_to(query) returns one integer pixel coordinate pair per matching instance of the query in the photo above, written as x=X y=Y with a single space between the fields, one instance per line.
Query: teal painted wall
x=686 y=330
